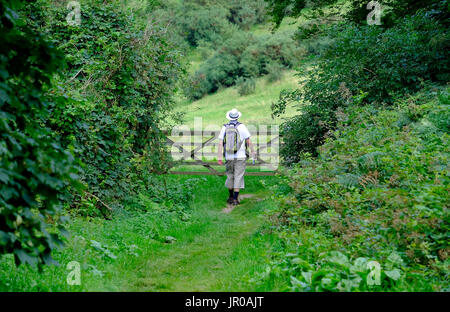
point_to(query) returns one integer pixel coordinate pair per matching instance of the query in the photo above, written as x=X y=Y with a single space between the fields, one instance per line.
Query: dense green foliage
x=202 y=24
x=369 y=178
x=208 y=23
x=377 y=191
x=364 y=64
x=220 y=31
x=246 y=13
x=279 y=9
x=393 y=10
x=358 y=11
x=243 y=55
x=35 y=171
x=102 y=90
x=121 y=75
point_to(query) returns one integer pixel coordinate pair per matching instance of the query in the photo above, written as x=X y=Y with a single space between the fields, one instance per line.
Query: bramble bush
x=120 y=78
x=377 y=191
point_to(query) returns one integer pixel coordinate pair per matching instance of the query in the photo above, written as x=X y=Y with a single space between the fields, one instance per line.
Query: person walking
x=234 y=141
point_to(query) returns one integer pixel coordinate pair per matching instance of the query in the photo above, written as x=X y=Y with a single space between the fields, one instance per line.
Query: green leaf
x=4 y=238
x=394 y=274
x=297 y=283
x=395 y=259
x=338 y=258
x=25 y=257
x=360 y=265
x=307 y=276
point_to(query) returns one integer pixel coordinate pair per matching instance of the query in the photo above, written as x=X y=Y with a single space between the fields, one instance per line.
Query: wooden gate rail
x=261 y=173
x=211 y=136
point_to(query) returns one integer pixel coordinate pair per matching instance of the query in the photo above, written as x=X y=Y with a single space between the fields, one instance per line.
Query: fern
x=348 y=180
x=370 y=161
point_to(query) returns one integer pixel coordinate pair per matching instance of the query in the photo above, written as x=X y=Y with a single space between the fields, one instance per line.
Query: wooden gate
x=199 y=148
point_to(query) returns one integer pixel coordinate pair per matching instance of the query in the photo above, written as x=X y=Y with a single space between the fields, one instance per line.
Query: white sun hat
x=233 y=114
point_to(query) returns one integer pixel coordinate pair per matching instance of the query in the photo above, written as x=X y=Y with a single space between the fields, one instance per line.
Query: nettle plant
x=336 y=272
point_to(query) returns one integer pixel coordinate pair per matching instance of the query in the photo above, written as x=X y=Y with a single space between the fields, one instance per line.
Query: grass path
x=207 y=261
x=213 y=251
x=217 y=252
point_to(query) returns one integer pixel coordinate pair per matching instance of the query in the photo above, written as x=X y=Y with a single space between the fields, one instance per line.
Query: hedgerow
x=36 y=171
x=120 y=78
x=82 y=107
x=378 y=191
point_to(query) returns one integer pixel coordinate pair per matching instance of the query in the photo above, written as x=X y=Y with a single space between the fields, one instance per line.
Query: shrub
x=241 y=55
x=367 y=65
x=377 y=191
x=246 y=14
x=221 y=69
x=35 y=170
x=275 y=71
x=245 y=86
x=197 y=23
x=305 y=133
x=279 y=48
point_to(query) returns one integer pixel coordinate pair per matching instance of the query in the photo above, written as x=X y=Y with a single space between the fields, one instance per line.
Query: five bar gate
x=191 y=147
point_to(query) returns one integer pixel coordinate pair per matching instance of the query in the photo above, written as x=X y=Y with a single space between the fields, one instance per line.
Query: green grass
x=213 y=251
x=255 y=108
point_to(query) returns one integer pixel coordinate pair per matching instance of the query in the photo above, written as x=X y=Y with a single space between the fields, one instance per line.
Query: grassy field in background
x=255 y=108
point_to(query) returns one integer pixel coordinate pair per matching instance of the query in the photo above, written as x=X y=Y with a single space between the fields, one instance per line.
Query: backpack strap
x=233 y=122
x=237 y=123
